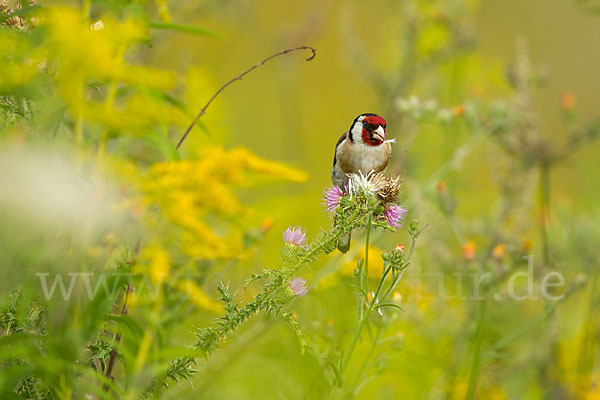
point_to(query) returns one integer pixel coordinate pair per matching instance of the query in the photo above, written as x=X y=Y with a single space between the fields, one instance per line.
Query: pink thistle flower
x=395 y=215
x=400 y=247
x=295 y=236
x=298 y=286
x=332 y=197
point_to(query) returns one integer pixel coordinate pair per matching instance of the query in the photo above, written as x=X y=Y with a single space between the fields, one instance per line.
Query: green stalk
x=545 y=209
x=367 y=358
x=365 y=317
x=354 y=341
x=477 y=352
x=585 y=360
x=366 y=266
x=401 y=272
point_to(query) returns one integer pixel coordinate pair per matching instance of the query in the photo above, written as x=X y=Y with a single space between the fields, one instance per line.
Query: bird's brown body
x=352 y=158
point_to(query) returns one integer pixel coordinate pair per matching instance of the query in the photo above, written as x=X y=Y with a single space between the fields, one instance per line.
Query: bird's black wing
x=337 y=144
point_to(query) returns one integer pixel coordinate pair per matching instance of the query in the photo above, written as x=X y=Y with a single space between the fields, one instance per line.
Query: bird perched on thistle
x=362 y=149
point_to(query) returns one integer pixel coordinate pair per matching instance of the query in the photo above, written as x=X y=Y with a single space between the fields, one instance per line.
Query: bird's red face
x=373 y=129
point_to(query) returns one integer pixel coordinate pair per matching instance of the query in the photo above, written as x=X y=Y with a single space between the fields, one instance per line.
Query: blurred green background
x=301 y=104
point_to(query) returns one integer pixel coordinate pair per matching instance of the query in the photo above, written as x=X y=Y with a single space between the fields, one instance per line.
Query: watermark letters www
x=519 y=285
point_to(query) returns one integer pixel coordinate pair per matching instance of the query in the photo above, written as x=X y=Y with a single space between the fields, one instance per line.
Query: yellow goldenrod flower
x=198 y=296
x=189 y=191
x=159 y=263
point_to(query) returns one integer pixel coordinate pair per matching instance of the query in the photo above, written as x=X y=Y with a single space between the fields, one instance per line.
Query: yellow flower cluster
x=155 y=262
x=198 y=296
x=79 y=55
x=89 y=53
x=187 y=192
x=18 y=60
x=160 y=265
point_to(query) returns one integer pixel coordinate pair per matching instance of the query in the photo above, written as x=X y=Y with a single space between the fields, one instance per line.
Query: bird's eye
x=369 y=126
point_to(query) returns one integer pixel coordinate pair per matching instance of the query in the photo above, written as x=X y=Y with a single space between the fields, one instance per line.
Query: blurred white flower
x=97 y=26
x=360 y=183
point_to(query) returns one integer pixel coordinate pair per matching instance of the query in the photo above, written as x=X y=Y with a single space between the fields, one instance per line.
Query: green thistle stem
x=545 y=209
x=354 y=341
x=366 y=266
x=364 y=317
x=371 y=306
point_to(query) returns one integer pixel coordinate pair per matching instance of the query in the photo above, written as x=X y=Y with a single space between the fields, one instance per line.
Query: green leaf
x=194 y=30
x=159 y=141
x=338 y=378
x=11 y=376
x=390 y=305
x=203 y=127
x=127 y=322
x=17 y=339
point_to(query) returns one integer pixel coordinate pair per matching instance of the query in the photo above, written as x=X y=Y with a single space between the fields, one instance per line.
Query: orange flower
x=458 y=110
x=498 y=251
x=267 y=224
x=477 y=90
x=441 y=187
x=468 y=250
x=567 y=101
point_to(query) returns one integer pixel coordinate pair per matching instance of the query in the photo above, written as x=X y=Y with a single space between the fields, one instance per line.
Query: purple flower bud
x=395 y=215
x=332 y=197
x=295 y=236
x=298 y=287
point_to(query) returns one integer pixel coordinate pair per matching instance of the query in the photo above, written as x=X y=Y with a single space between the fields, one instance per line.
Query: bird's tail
x=344 y=243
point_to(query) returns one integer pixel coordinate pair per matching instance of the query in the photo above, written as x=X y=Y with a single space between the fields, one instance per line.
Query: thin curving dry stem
x=239 y=77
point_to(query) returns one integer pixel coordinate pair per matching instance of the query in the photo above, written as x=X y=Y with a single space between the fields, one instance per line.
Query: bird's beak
x=379 y=133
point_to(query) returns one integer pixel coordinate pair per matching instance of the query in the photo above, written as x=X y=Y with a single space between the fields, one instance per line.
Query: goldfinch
x=363 y=148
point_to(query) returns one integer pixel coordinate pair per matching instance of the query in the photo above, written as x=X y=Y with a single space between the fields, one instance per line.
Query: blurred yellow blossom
x=397 y=297
x=94 y=52
x=159 y=263
x=78 y=55
x=198 y=296
x=493 y=392
x=163 y=10
x=375 y=263
x=527 y=245
x=189 y=191
x=327 y=282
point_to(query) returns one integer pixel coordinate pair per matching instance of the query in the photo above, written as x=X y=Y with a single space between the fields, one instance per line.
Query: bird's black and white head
x=368 y=129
